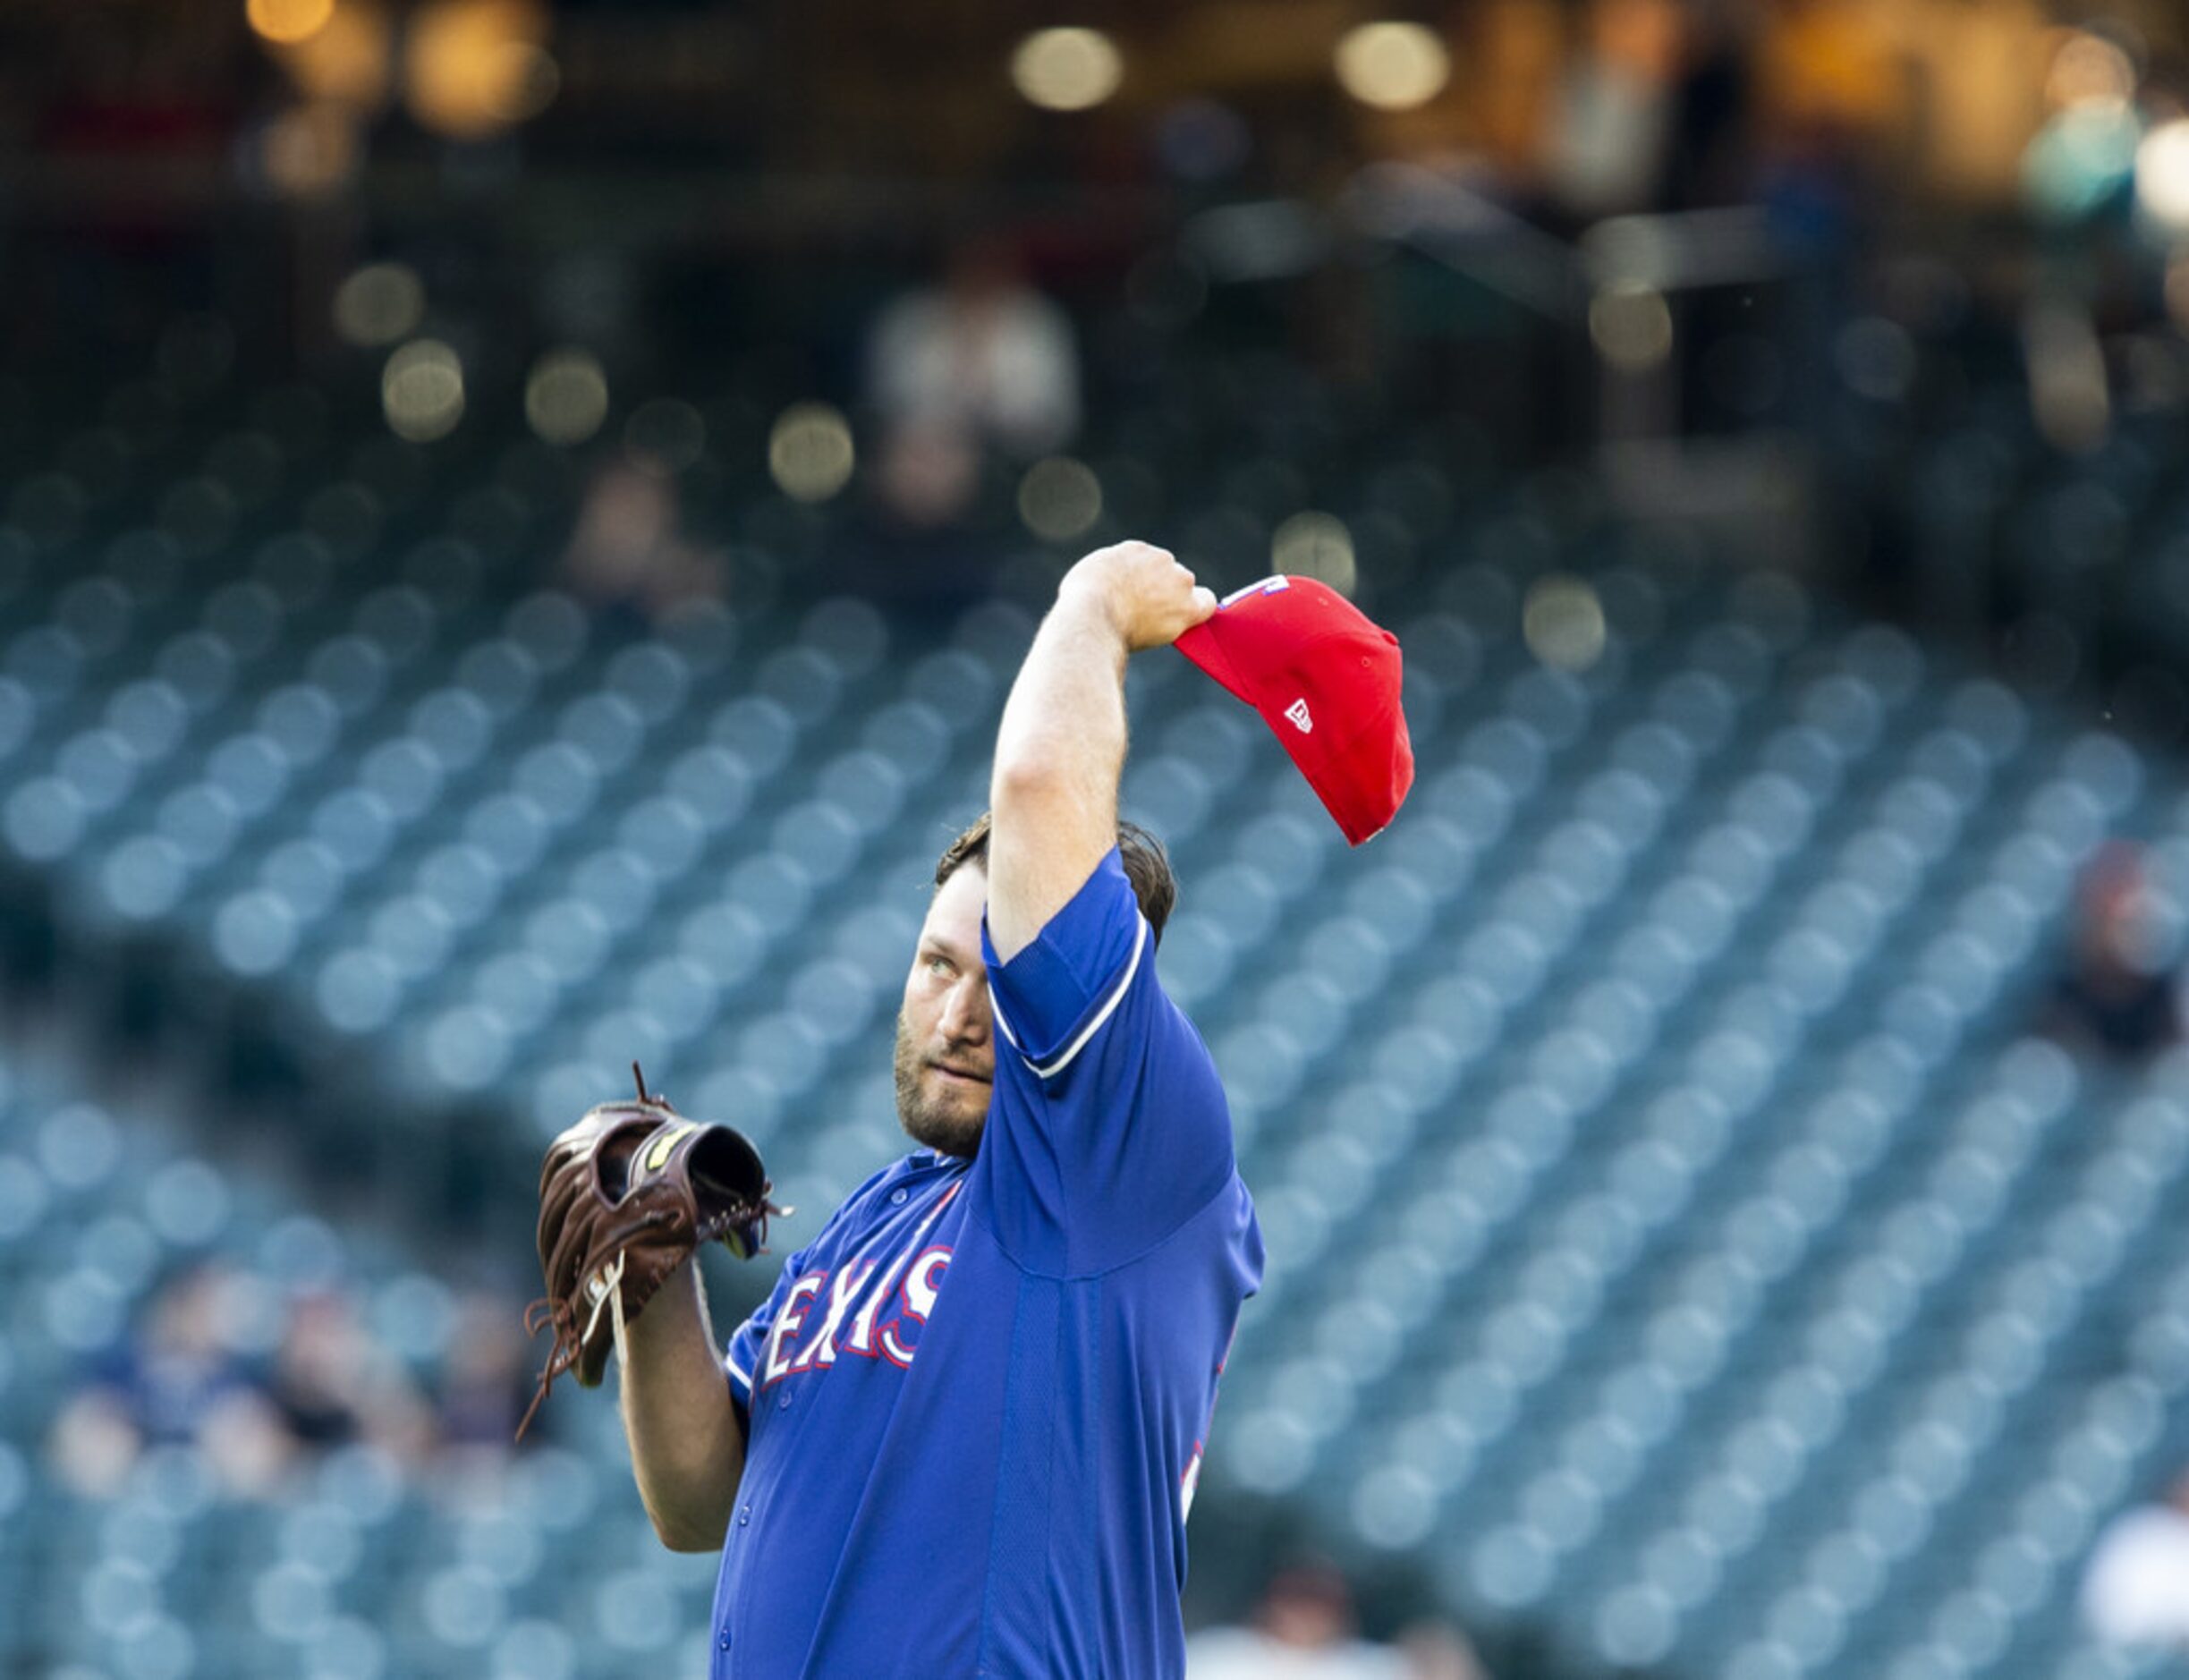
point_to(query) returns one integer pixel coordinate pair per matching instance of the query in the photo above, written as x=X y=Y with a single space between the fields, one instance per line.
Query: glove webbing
x=606 y=1286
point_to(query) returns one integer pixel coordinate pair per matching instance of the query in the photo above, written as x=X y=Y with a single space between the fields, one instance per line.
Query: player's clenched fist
x=1144 y=592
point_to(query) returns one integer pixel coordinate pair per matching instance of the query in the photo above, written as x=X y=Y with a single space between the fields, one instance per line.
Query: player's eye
x=940 y=966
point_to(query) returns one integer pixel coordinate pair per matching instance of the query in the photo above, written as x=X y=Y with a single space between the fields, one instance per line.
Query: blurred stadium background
x=516 y=520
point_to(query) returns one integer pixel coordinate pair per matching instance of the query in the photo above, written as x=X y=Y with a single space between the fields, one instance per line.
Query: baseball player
x=962 y=1436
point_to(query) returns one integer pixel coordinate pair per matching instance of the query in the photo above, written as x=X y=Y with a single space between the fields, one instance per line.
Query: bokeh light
x=381 y=303
x=809 y=452
x=1876 y=358
x=2090 y=70
x=565 y=396
x=2071 y=396
x=1060 y=498
x=1316 y=546
x=421 y=390
x=1563 y=623
x=2081 y=159
x=1066 y=69
x=309 y=151
x=287 y=22
x=349 y=62
x=1392 y=66
x=1632 y=325
x=2162 y=175
x=473 y=67
x=520 y=82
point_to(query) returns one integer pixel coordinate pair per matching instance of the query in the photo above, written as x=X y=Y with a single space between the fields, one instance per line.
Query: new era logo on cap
x=1298 y=651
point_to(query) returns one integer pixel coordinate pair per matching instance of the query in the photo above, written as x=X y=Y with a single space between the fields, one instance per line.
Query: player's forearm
x=1059 y=752
x=1064 y=723
x=687 y=1445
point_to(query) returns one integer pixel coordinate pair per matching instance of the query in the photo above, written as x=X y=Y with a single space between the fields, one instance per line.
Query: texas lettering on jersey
x=864 y=1314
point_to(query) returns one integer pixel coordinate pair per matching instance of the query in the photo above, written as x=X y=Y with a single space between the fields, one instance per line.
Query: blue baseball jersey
x=976 y=1402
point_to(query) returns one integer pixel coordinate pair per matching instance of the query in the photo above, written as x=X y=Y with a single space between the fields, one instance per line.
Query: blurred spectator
x=2136 y=1589
x=333 y=1385
x=2118 y=995
x=982 y=362
x=180 y=1379
x=185 y=1378
x=627 y=551
x=1611 y=130
x=485 y=1384
x=1304 y=1629
x=1436 y=1650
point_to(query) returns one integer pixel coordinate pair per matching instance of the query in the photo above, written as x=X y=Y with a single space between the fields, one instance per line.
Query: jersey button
x=897 y=1197
x=744 y=1517
x=725 y=1640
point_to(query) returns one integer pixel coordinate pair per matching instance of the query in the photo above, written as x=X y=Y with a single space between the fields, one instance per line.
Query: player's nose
x=966 y=1015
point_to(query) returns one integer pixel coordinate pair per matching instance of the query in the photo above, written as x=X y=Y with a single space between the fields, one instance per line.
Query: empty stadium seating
x=1675 y=1232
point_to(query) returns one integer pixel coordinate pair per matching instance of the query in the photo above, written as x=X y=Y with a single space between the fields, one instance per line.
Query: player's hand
x=1147 y=596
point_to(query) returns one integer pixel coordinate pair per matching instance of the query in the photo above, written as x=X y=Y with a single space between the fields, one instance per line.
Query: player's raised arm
x=1062 y=743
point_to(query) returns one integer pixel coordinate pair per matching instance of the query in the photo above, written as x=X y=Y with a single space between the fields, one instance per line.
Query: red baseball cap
x=1326 y=680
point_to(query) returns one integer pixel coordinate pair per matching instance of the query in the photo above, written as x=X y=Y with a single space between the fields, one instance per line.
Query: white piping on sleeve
x=1109 y=1008
x=744 y=1378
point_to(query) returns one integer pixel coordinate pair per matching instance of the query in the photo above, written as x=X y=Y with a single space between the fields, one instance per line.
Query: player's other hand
x=1149 y=597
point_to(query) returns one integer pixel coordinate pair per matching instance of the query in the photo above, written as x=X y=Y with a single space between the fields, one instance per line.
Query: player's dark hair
x=1146 y=865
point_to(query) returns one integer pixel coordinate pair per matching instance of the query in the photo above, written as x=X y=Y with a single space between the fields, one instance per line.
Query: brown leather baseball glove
x=626 y=1196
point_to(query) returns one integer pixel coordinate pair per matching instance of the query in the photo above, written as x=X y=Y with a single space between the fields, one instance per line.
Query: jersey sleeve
x=1108 y=1128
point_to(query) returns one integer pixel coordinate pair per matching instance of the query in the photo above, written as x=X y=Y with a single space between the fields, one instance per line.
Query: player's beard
x=949 y=1130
